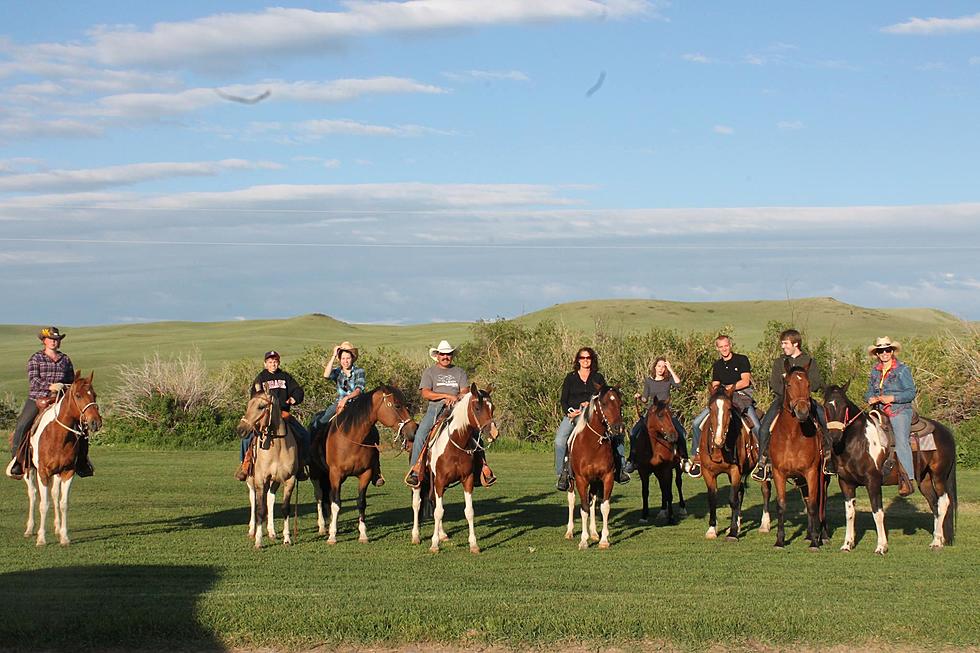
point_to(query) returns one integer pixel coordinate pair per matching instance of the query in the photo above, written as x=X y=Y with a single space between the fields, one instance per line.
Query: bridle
x=262 y=425
x=481 y=430
x=385 y=399
x=793 y=403
x=83 y=433
x=596 y=401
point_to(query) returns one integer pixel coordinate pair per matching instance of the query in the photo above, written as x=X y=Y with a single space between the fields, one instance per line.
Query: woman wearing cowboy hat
x=891 y=389
x=351 y=381
x=48 y=371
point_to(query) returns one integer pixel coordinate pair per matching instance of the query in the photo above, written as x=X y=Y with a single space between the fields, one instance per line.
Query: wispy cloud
x=723 y=129
x=696 y=57
x=935 y=26
x=789 y=125
x=975 y=61
x=487 y=75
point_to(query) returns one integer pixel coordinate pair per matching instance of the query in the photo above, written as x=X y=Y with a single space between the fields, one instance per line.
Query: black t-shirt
x=730 y=372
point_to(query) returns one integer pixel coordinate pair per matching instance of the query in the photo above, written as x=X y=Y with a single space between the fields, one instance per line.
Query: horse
x=351 y=449
x=452 y=458
x=590 y=458
x=657 y=454
x=276 y=463
x=729 y=447
x=796 y=449
x=55 y=449
x=860 y=450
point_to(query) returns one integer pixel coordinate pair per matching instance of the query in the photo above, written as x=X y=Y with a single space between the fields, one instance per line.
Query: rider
x=442 y=385
x=48 y=371
x=731 y=371
x=576 y=392
x=657 y=387
x=281 y=385
x=891 y=387
x=351 y=381
x=793 y=355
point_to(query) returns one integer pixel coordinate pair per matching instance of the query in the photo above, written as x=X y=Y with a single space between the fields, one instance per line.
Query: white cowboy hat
x=883 y=342
x=443 y=348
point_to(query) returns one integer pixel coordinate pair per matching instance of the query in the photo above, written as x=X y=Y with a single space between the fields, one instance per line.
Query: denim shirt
x=347 y=384
x=898 y=382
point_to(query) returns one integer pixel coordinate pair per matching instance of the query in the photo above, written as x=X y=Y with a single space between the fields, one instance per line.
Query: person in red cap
x=280 y=384
x=48 y=371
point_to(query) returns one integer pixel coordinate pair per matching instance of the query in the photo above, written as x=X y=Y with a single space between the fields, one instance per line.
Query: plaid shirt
x=42 y=372
x=347 y=384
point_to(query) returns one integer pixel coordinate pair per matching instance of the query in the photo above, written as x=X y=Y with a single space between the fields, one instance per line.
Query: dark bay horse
x=55 y=445
x=860 y=450
x=729 y=447
x=590 y=458
x=454 y=455
x=796 y=448
x=352 y=449
x=657 y=454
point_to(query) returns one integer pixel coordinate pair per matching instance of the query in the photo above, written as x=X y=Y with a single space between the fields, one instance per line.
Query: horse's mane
x=587 y=412
x=357 y=411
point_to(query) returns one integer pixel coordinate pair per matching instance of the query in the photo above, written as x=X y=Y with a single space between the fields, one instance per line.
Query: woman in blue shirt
x=891 y=389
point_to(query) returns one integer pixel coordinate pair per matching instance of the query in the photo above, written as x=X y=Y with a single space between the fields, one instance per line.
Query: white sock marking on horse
x=942 y=508
x=765 y=524
x=711 y=534
x=321 y=522
x=849 y=513
x=45 y=493
x=361 y=531
x=604 y=540
x=468 y=511
x=570 y=531
x=882 y=547
x=270 y=507
x=251 y=504
x=334 y=512
x=437 y=526
x=416 y=506
x=64 y=490
x=593 y=533
x=584 y=542
x=30 y=477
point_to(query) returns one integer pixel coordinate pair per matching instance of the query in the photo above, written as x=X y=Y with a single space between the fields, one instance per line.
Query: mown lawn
x=160 y=558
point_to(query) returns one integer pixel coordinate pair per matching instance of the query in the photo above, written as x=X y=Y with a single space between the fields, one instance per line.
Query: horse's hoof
x=711 y=534
x=662 y=515
x=443 y=538
x=569 y=535
x=287 y=543
x=935 y=546
x=434 y=549
x=583 y=545
x=682 y=512
x=593 y=538
x=321 y=531
x=881 y=550
x=813 y=548
x=65 y=542
x=763 y=529
x=846 y=548
x=416 y=540
x=474 y=549
x=731 y=538
x=40 y=542
x=28 y=533
x=778 y=545
x=362 y=540
x=644 y=520
x=604 y=545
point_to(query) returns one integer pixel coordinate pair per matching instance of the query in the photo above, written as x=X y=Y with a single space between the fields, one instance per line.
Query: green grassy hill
x=105 y=347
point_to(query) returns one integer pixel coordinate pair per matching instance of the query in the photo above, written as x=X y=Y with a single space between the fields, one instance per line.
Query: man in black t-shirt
x=734 y=371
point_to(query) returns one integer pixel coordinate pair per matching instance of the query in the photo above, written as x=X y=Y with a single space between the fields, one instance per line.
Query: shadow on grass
x=105 y=606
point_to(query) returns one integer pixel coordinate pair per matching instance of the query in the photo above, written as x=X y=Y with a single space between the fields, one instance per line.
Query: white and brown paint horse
x=276 y=463
x=351 y=449
x=860 y=447
x=590 y=458
x=55 y=446
x=454 y=457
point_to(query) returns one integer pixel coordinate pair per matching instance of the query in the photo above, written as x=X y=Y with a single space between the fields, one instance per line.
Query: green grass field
x=160 y=559
x=104 y=348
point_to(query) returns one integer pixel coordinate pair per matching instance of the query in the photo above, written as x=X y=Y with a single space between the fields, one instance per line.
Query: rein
x=84 y=432
x=478 y=439
x=603 y=437
x=401 y=425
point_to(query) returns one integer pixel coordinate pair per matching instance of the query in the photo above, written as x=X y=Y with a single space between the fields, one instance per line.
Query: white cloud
x=696 y=57
x=17 y=164
x=975 y=61
x=789 y=125
x=935 y=26
x=756 y=59
x=487 y=75
x=353 y=127
x=723 y=129
x=931 y=65
x=28 y=127
x=121 y=175
x=41 y=257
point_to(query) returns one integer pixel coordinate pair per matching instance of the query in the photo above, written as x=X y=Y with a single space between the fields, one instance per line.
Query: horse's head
x=608 y=403
x=660 y=422
x=796 y=390
x=838 y=409
x=83 y=399
x=719 y=414
x=393 y=412
x=262 y=416
x=480 y=410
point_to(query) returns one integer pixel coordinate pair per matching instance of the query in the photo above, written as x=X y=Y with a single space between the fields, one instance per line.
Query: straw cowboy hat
x=883 y=342
x=443 y=348
x=346 y=346
x=50 y=332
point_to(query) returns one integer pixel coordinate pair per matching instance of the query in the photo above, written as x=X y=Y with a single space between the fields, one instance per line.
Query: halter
x=84 y=432
x=481 y=429
x=263 y=430
x=603 y=437
x=847 y=422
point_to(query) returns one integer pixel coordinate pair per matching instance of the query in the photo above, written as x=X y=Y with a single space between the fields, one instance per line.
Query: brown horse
x=352 y=449
x=796 y=448
x=454 y=455
x=60 y=433
x=658 y=454
x=860 y=450
x=276 y=463
x=590 y=458
x=729 y=447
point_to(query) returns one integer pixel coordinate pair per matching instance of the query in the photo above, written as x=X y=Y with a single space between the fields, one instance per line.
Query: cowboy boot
x=829 y=467
x=486 y=475
x=905 y=487
x=413 y=478
x=83 y=464
x=14 y=469
x=622 y=476
x=564 y=478
x=246 y=467
x=376 y=477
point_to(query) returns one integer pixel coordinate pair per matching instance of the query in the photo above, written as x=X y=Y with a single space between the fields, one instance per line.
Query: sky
x=434 y=160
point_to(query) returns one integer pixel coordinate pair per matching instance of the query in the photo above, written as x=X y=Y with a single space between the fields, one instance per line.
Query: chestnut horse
x=454 y=455
x=729 y=447
x=55 y=445
x=796 y=449
x=352 y=449
x=276 y=463
x=590 y=458
x=860 y=450
x=657 y=454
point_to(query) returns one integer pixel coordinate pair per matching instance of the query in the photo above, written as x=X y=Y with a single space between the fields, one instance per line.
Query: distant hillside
x=105 y=347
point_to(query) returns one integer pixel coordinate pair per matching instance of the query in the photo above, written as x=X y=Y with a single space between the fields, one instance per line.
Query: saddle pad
x=923 y=443
x=46 y=418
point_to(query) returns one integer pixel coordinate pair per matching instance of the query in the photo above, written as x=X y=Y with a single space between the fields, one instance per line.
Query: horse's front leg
x=666 y=497
x=363 y=481
x=437 y=518
x=678 y=480
x=56 y=502
x=878 y=512
x=711 y=483
x=63 y=509
x=335 y=482
x=287 y=494
x=814 y=481
x=604 y=508
x=570 y=529
x=468 y=511
x=416 y=506
x=765 y=522
x=271 y=487
x=645 y=494
x=251 y=505
x=593 y=531
x=29 y=478
x=583 y=508
x=321 y=522
x=780 y=482
x=45 y=491
x=737 y=491
x=850 y=513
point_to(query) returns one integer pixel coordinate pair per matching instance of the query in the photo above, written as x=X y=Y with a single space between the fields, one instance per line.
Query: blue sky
x=441 y=160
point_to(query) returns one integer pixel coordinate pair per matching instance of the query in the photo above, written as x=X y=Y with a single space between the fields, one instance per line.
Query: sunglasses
x=585 y=358
x=445 y=355
x=885 y=350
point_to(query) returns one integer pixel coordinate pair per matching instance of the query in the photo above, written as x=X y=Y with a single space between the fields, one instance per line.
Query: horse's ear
x=806 y=368
x=489 y=389
x=91 y=376
x=473 y=390
x=597 y=386
x=846 y=386
x=785 y=366
x=256 y=389
x=78 y=374
x=730 y=390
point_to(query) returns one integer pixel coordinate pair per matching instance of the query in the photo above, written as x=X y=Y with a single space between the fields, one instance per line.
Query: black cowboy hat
x=50 y=332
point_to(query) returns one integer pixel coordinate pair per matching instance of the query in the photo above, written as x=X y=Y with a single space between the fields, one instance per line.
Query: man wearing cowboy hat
x=891 y=389
x=48 y=371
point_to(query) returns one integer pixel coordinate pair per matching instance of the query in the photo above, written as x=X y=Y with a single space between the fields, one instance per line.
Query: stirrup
x=17 y=474
x=378 y=480
x=488 y=479
x=694 y=469
x=762 y=472
x=412 y=480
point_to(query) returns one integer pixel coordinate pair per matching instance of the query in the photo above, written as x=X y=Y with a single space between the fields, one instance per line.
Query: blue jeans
x=561 y=443
x=703 y=415
x=422 y=432
x=902 y=424
x=322 y=418
x=299 y=432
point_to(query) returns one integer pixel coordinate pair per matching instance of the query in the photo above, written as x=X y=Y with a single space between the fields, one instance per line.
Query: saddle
x=24 y=452
x=921 y=434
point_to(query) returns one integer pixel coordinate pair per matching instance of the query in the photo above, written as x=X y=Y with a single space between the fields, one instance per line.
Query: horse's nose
x=95 y=424
x=410 y=429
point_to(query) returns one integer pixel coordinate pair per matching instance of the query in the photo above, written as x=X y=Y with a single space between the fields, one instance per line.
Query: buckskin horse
x=590 y=458
x=860 y=448
x=796 y=448
x=276 y=463
x=55 y=442
x=352 y=449
x=657 y=454
x=729 y=447
x=452 y=458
